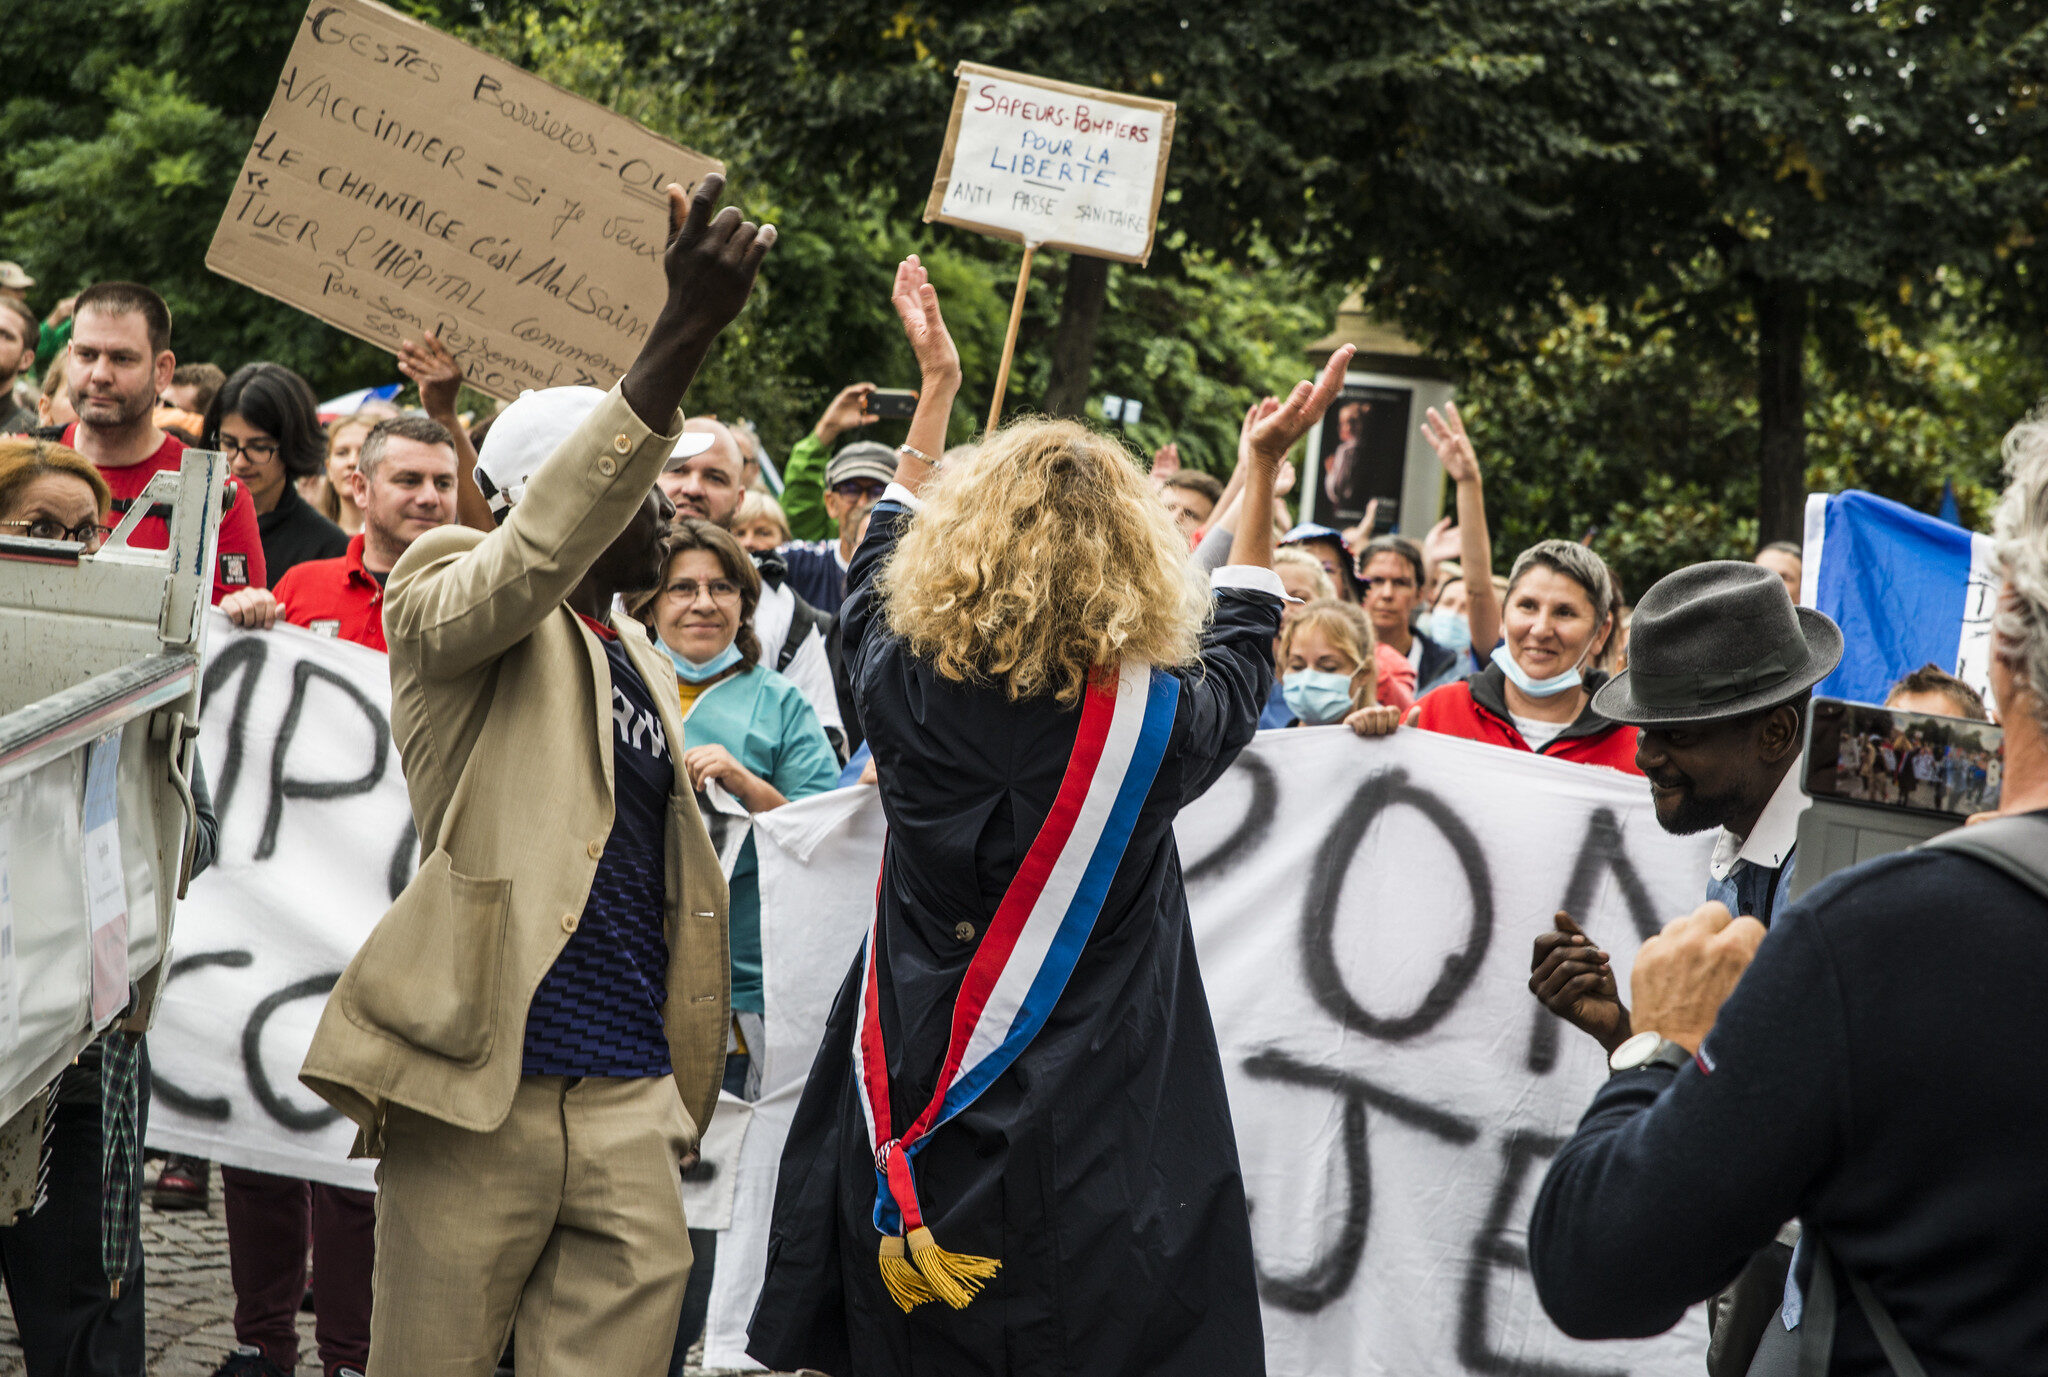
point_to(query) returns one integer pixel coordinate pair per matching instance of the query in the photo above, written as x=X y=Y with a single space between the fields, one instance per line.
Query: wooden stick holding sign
x=1048 y=164
x=995 y=405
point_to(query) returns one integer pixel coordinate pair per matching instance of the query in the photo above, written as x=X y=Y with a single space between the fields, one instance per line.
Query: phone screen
x=1909 y=760
x=892 y=402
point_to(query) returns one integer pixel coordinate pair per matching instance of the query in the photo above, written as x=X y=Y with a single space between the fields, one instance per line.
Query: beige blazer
x=501 y=706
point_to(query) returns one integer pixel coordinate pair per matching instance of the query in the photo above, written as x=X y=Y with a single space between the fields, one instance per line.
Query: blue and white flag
x=1906 y=588
x=349 y=403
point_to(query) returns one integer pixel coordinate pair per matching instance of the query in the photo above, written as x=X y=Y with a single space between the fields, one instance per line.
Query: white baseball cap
x=534 y=427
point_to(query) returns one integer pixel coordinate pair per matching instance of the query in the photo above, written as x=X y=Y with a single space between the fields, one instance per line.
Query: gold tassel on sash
x=929 y=1272
x=906 y=1286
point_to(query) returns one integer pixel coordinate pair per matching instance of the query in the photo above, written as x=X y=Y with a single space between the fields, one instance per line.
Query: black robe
x=1100 y=1168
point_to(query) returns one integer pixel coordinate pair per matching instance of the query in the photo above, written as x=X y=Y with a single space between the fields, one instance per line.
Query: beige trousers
x=568 y=1218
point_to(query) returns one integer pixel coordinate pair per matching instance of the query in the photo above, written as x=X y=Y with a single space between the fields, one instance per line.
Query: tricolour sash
x=1027 y=954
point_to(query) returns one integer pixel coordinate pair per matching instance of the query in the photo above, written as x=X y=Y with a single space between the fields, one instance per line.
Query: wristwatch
x=1647 y=1049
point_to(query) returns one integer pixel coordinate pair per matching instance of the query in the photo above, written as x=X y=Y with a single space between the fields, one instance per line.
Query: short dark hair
x=207 y=377
x=279 y=403
x=1393 y=545
x=1194 y=480
x=32 y=328
x=416 y=426
x=129 y=298
x=1932 y=678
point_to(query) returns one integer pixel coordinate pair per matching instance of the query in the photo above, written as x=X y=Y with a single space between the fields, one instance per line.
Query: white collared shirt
x=1773 y=837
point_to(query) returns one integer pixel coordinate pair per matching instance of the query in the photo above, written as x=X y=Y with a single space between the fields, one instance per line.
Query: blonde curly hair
x=1038 y=558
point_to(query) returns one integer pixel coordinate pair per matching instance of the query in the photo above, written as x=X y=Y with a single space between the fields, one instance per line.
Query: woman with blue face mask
x=1331 y=671
x=753 y=733
x=1536 y=693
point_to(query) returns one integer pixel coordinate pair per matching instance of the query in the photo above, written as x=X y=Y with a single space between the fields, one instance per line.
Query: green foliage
x=124 y=127
x=1611 y=424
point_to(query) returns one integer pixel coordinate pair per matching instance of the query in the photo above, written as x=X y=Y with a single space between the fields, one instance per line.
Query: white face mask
x=1539 y=688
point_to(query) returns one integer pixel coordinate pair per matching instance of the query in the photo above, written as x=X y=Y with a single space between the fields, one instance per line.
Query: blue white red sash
x=1028 y=952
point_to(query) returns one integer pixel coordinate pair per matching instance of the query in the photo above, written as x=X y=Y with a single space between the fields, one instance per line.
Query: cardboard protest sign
x=1053 y=165
x=403 y=181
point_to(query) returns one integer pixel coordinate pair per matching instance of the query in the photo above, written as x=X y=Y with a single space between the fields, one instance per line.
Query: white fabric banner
x=316 y=840
x=1364 y=912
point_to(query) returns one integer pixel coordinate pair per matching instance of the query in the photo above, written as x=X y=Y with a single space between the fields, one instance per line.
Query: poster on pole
x=1053 y=165
x=403 y=181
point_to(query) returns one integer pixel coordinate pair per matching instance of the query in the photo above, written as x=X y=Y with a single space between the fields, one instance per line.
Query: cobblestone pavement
x=191 y=1302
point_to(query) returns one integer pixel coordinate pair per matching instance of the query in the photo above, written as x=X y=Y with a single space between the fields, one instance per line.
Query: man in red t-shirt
x=121 y=361
x=404 y=483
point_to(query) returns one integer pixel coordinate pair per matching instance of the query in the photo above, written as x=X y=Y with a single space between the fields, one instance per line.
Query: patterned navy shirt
x=598 y=1011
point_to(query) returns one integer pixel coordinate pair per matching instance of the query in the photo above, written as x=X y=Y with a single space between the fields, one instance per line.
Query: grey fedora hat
x=1715 y=641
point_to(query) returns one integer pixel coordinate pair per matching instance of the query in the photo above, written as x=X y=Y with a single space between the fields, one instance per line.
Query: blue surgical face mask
x=1537 y=688
x=694 y=672
x=1317 y=696
x=1448 y=629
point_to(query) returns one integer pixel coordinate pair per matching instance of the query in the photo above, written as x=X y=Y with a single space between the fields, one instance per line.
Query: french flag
x=349 y=403
x=1906 y=588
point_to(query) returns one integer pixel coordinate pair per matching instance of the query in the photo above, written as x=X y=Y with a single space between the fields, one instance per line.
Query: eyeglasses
x=869 y=488
x=721 y=590
x=50 y=528
x=256 y=451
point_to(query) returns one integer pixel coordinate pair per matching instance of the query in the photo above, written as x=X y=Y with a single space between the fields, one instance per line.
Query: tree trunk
x=1781 y=410
x=1073 y=344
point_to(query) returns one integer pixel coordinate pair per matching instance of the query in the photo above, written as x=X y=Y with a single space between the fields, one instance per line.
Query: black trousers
x=69 y=1325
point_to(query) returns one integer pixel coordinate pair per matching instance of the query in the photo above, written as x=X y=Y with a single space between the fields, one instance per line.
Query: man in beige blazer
x=533 y=1036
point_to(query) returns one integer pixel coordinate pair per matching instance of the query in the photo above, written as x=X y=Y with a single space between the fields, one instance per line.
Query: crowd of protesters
x=1376 y=631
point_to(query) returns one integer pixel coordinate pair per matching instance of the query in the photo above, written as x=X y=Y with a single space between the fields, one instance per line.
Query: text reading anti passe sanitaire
x=989 y=101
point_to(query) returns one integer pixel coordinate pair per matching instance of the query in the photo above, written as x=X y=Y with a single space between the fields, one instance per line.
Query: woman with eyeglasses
x=49 y=491
x=751 y=732
x=266 y=420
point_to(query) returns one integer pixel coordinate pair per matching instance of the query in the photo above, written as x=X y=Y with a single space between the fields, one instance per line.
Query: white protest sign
x=1051 y=164
x=403 y=181
x=1364 y=912
x=316 y=840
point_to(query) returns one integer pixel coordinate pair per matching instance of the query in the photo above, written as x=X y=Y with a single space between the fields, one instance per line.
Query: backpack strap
x=802 y=618
x=1816 y=1343
x=2016 y=845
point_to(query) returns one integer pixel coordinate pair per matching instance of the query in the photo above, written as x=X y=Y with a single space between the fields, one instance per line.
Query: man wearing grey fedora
x=1721 y=667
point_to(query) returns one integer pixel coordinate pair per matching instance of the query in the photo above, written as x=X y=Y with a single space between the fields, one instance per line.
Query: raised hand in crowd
x=938 y=364
x=1271 y=429
x=1445 y=431
x=1684 y=974
x=710 y=262
x=1165 y=462
x=429 y=364
x=1439 y=545
x=252 y=609
x=1573 y=979
x=438 y=375
x=1359 y=536
x=847 y=411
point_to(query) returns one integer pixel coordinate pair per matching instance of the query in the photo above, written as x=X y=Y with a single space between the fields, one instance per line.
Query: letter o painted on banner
x=286 y=1113
x=1326 y=884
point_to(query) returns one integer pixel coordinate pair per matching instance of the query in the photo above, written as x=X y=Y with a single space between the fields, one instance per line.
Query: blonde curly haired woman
x=1014 y=1153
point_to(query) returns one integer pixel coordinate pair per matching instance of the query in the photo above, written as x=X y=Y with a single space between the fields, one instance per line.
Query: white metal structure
x=100 y=648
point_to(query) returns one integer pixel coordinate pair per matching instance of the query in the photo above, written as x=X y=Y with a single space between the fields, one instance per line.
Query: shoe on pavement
x=183 y=1184
x=245 y=1361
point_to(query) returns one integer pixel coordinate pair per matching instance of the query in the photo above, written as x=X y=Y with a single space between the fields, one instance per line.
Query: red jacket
x=336 y=597
x=1476 y=708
